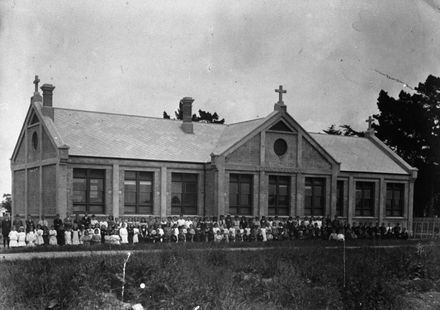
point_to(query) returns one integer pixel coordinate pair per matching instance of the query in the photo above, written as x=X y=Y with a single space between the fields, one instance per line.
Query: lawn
x=309 y=277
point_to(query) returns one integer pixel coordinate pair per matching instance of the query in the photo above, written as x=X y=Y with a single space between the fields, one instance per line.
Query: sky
x=142 y=57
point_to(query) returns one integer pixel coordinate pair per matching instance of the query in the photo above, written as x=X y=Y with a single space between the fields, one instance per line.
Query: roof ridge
x=112 y=113
x=133 y=115
x=249 y=120
x=326 y=134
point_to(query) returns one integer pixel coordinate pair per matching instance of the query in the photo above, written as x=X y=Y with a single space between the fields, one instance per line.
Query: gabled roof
x=98 y=134
x=134 y=137
x=359 y=154
x=233 y=133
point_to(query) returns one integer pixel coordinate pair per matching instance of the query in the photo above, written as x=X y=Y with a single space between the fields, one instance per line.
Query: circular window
x=280 y=147
x=34 y=140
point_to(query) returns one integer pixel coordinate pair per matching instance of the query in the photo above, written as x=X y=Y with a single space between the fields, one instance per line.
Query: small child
x=96 y=236
x=68 y=236
x=13 y=237
x=31 y=238
x=160 y=233
x=218 y=237
x=45 y=234
x=135 y=235
x=21 y=237
x=123 y=233
x=52 y=236
x=232 y=232
x=247 y=234
x=75 y=235
x=191 y=233
x=263 y=231
x=85 y=237
x=39 y=235
x=175 y=233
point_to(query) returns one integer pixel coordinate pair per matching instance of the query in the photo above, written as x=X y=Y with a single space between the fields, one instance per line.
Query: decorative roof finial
x=370 y=130
x=280 y=92
x=36 y=81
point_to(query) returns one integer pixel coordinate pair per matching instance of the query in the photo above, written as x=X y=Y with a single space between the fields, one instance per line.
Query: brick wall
x=248 y=153
x=312 y=158
x=19 y=194
x=34 y=191
x=49 y=190
x=49 y=150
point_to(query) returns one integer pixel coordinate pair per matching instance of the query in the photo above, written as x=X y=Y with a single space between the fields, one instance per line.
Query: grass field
x=308 y=277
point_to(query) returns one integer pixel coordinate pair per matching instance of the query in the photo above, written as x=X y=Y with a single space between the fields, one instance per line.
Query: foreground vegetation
x=178 y=278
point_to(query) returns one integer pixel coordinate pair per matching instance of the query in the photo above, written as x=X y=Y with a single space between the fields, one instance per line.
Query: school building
x=77 y=161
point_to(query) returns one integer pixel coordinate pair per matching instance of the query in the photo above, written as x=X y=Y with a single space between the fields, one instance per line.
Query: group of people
x=93 y=230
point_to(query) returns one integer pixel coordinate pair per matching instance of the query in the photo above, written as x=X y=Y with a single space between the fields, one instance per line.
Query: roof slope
x=358 y=154
x=136 y=137
x=236 y=132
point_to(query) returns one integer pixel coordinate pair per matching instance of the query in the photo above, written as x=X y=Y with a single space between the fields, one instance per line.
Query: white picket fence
x=426 y=227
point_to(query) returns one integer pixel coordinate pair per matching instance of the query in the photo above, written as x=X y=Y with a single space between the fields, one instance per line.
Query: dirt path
x=61 y=254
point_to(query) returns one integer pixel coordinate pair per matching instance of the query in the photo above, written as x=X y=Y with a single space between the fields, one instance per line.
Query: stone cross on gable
x=36 y=81
x=280 y=92
x=370 y=121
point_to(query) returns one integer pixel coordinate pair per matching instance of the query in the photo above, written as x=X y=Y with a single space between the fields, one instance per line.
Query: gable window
x=280 y=147
x=138 y=192
x=340 y=198
x=314 y=196
x=35 y=141
x=364 y=199
x=240 y=194
x=394 y=204
x=184 y=193
x=279 y=195
x=88 y=191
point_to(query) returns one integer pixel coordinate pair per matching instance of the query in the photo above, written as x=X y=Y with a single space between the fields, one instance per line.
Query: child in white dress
x=135 y=235
x=123 y=232
x=13 y=237
x=75 y=235
x=21 y=237
x=31 y=238
x=39 y=235
x=68 y=237
x=52 y=236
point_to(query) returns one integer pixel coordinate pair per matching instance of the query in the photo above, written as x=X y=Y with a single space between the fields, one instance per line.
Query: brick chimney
x=186 y=109
x=47 y=94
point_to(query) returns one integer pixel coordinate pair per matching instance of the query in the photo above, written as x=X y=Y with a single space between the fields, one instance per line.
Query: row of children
x=88 y=230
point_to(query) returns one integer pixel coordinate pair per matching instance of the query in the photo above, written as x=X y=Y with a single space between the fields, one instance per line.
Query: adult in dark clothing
x=86 y=220
x=58 y=226
x=30 y=225
x=17 y=222
x=6 y=228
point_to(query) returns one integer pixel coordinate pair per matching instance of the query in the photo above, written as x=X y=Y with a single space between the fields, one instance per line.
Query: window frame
x=240 y=179
x=362 y=208
x=274 y=209
x=314 y=182
x=390 y=209
x=88 y=175
x=139 y=176
x=340 y=187
x=188 y=180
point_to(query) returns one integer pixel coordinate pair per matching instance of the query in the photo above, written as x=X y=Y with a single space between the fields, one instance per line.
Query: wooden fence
x=426 y=227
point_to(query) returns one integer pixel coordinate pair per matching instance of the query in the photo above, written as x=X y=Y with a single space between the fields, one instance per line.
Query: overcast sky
x=142 y=57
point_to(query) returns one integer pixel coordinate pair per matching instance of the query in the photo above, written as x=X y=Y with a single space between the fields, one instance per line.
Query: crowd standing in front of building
x=87 y=230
